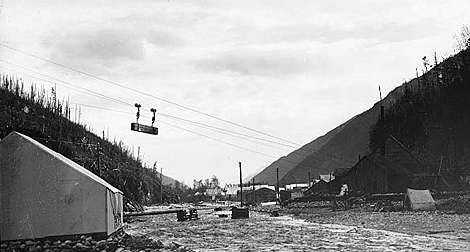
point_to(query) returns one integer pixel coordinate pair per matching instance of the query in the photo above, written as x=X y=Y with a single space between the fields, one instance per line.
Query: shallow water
x=285 y=233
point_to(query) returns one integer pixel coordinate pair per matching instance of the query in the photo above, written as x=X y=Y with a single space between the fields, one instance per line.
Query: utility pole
x=241 y=184
x=161 y=185
x=277 y=189
x=98 y=150
x=309 y=179
x=254 y=196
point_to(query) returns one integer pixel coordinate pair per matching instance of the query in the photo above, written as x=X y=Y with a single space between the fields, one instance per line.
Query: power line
x=114 y=83
x=184 y=120
x=227 y=132
x=64 y=83
x=93 y=93
x=333 y=156
x=218 y=140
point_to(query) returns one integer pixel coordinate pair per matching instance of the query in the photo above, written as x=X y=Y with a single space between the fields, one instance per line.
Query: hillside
x=286 y=163
x=432 y=118
x=419 y=112
x=42 y=116
x=338 y=149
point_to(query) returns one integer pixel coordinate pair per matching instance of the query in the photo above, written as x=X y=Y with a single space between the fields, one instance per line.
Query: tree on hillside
x=463 y=38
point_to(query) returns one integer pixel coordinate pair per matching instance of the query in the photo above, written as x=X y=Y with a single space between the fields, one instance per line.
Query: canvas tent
x=419 y=200
x=44 y=194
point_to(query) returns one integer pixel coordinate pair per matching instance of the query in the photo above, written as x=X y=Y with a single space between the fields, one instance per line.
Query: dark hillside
x=410 y=106
x=429 y=114
x=46 y=119
x=286 y=163
x=432 y=118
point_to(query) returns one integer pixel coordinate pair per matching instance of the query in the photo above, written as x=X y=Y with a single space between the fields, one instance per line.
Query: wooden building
x=391 y=168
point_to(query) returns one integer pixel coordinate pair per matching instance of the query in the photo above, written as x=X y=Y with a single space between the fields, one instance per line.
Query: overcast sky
x=293 y=69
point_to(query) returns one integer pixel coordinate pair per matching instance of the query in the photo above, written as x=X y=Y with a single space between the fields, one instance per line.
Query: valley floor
x=433 y=224
x=311 y=229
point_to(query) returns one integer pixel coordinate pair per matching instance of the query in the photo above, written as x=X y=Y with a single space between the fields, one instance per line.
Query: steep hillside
x=43 y=117
x=344 y=148
x=433 y=117
x=286 y=163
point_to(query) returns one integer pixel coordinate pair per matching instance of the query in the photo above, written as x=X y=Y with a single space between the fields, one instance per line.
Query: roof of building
x=327 y=178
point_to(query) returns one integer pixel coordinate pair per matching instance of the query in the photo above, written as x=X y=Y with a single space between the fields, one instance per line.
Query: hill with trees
x=429 y=114
x=40 y=114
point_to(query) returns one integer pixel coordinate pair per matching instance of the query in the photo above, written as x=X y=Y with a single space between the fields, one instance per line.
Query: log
x=154 y=212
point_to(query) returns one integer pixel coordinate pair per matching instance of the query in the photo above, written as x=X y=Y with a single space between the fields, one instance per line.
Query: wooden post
x=309 y=179
x=277 y=189
x=161 y=185
x=241 y=184
x=254 y=196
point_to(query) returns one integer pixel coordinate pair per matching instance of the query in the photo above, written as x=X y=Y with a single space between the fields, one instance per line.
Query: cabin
x=391 y=168
x=44 y=194
x=262 y=194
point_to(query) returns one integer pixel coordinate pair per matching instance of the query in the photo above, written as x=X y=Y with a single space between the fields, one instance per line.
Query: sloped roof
x=398 y=158
x=327 y=178
x=63 y=159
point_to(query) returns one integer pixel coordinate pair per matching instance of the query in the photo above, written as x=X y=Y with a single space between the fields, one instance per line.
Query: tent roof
x=63 y=159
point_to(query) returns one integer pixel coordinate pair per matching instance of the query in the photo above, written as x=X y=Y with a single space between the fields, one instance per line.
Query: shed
x=260 y=195
x=44 y=194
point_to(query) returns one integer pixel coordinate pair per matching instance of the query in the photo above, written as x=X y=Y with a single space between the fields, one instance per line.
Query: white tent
x=419 y=200
x=44 y=194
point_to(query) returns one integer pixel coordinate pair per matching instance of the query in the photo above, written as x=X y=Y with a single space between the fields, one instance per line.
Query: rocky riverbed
x=262 y=232
x=119 y=242
x=298 y=228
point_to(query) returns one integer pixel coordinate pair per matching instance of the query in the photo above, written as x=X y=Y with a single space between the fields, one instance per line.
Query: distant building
x=260 y=195
x=297 y=186
x=213 y=193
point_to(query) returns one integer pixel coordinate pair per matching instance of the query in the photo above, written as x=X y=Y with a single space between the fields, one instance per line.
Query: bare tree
x=462 y=39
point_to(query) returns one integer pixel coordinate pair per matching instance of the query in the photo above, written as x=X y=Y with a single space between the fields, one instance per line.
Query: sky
x=290 y=69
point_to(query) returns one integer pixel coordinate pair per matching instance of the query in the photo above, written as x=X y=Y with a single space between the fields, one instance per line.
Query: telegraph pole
x=161 y=185
x=254 y=194
x=309 y=179
x=241 y=184
x=98 y=153
x=277 y=178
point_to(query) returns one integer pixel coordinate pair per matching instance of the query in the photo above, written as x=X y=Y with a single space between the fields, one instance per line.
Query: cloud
x=262 y=63
x=164 y=39
x=333 y=33
x=102 y=45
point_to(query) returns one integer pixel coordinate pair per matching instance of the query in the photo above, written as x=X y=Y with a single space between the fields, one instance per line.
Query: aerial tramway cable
x=114 y=83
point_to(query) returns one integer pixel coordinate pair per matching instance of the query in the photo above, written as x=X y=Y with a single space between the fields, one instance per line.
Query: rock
x=119 y=250
x=81 y=246
x=29 y=243
x=101 y=244
x=181 y=249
